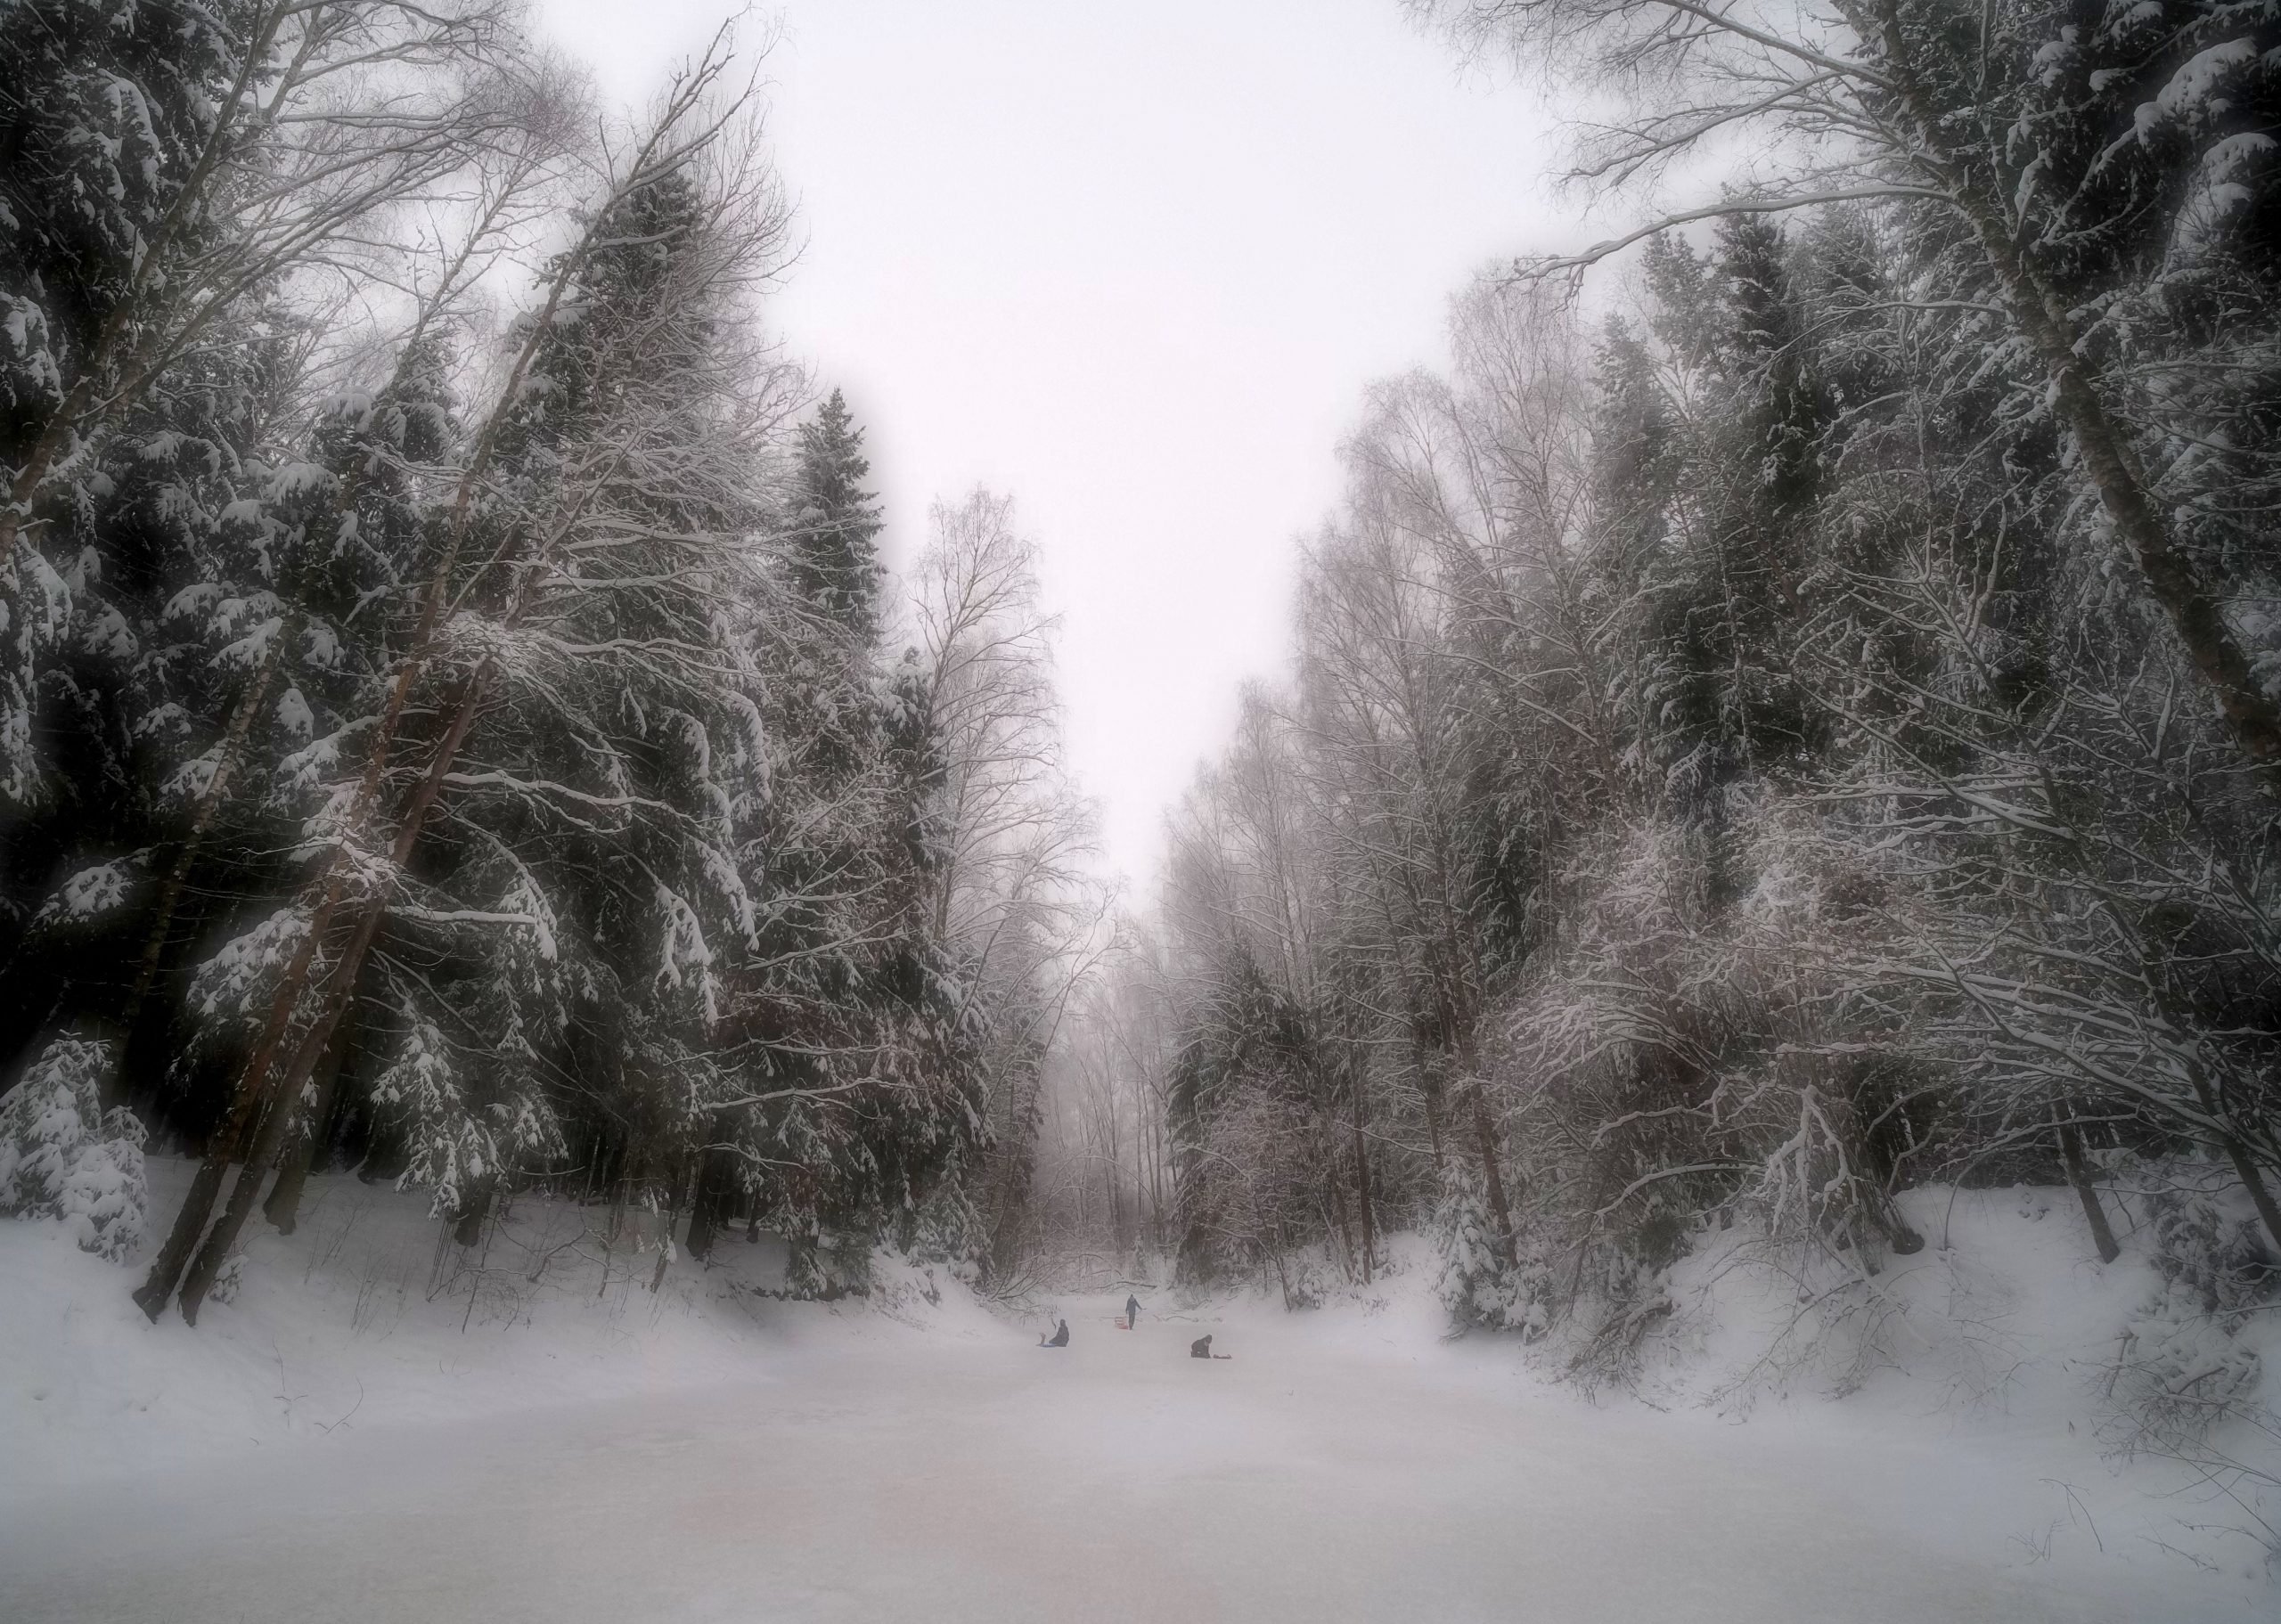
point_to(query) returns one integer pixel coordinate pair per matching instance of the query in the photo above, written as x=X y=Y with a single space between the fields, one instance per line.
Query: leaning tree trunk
x=2244 y=1162
x=334 y=995
x=2078 y=1174
x=256 y=1088
x=281 y=1117
x=235 y=1139
x=297 y=1160
x=260 y=1100
x=266 y=1105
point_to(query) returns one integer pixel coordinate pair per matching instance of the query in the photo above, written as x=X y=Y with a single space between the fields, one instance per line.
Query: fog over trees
x=1787 y=719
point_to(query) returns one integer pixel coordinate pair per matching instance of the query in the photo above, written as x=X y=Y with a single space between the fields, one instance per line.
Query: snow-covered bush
x=1307 y=1281
x=1477 y=1283
x=62 y=1157
x=2186 y=1380
x=2207 y=1239
x=945 y=1229
x=829 y=1266
x=463 y=1144
x=2184 y=1364
x=227 y=1283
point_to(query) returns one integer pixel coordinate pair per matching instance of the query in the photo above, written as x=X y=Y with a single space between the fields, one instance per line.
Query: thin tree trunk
x=2078 y=1174
x=1429 y=1087
x=1362 y=1191
x=684 y=1189
x=706 y=1210
x=283 y=1207
x=2238 y=1154
x=206 y=1267
x=1335 y=1190
x=699 y=1244
x=255 y=1089
x=265 y=1101
x=1493 y=1177
x=2245 y=1166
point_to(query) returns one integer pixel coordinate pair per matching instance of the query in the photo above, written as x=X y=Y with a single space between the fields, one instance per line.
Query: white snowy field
x=316 y=1450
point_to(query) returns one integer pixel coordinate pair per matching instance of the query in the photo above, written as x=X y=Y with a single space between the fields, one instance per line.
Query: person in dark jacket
x=1060 y=1339
x=1201 y=1348
x=1132 y=1312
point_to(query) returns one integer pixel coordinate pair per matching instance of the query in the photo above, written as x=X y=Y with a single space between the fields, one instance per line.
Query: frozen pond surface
x=1323 y=1473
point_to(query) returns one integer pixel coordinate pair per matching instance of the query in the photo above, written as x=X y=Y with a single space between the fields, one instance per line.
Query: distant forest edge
x=1798 y=724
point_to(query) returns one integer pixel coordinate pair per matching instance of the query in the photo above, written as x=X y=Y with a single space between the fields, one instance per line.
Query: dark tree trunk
x=1493 y=1177
x=281 y=1113
x=190 y=1223
x=1429 y=1085
x=299 y=1158
x=1363 y=1192
x=467 y=1225
x=206 y=1267
x=2238 y=1154
x=1335 y=1193
x=703 y=1207
x=2078 y=1174
x=2261 y=1197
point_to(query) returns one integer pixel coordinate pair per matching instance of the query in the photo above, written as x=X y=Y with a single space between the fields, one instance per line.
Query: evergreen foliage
x=63 y=1156
x=468 y=749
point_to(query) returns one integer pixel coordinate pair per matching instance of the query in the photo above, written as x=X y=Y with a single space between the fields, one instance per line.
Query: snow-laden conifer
x=62 y=1157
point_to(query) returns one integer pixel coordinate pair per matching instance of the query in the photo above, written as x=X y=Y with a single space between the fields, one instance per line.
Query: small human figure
x=1132 y=1312
x=1201 y=1348
x=1060 y=1339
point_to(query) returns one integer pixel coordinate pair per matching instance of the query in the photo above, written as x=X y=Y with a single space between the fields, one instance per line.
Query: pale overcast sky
x=1132 y=265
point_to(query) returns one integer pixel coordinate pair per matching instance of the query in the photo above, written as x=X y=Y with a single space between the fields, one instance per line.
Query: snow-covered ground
x=333 y=1444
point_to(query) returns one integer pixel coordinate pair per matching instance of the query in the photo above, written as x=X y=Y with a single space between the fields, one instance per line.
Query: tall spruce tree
x=835 y=523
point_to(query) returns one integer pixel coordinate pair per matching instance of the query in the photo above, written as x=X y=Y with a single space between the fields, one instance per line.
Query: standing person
x=1132 y=1312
